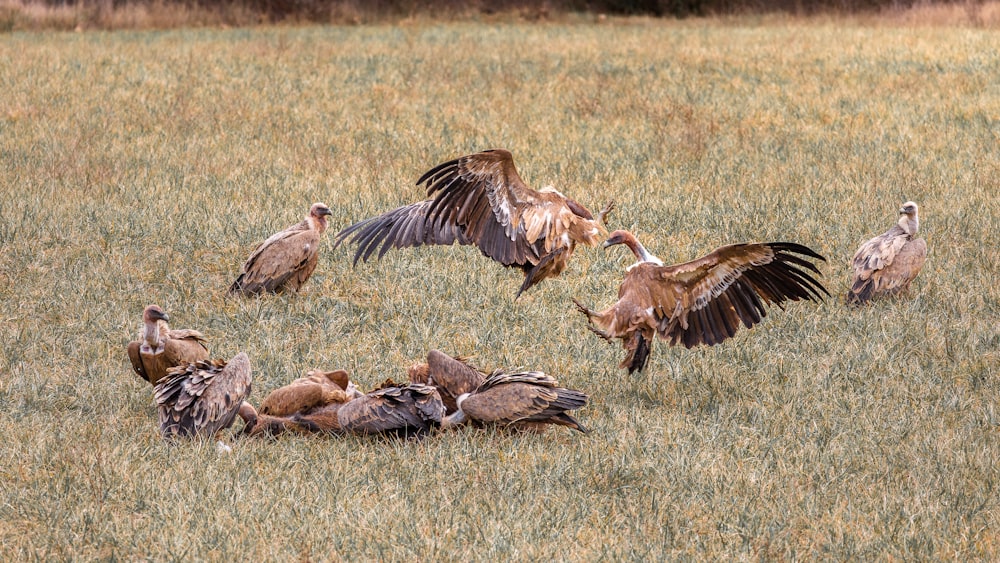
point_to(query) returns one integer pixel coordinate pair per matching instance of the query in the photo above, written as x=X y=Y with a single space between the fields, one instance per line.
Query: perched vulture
x=286 y=259
x=392 y=409
x=160 y=348
x=480 y=199
x=702 y=301
x=203 y=398
x=411 y=409
x=523 y=401
x=451 y=376
x=887 y=264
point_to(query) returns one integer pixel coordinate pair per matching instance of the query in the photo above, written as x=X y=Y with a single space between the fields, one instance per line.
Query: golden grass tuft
x=142 y=167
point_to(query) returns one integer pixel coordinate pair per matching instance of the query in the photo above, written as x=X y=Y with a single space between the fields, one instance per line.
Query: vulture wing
x=413 y=408
x=202 y=398
x=136 y=359
x=180 y=347
x=285 y=260
x=476 y=199
x=886 y=270
x=452 y=377
x=304 y=395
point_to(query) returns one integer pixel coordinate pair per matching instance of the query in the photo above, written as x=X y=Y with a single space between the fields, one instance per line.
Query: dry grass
x=143 y=167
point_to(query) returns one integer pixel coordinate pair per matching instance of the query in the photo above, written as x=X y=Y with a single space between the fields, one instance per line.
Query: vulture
x=702 y=301
x=886 y=264
x=203 y=398
x=523 y=401
x=160 y=348
x=451 y=376
x=391 y=409
x=286 y=259
x=480 y=199
x=308 y=404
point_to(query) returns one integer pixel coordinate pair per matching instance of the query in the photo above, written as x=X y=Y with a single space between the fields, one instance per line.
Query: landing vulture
x=702 y=301
x=886 y=264
x=525 y=401
x=203 y=398
x=451 y=376
x=480 y=199
x=160 y=348
x=286 y=259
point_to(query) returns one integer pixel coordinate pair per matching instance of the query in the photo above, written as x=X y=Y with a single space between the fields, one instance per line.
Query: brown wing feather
x=136 y=359
x=903 y=269
x=413 y=408
x=283 y=261
x=202 y=398
x=452 y=377
x=180 y=347
x=706 y=300
x=875 y=265
x=523 y=397
x=302 y=396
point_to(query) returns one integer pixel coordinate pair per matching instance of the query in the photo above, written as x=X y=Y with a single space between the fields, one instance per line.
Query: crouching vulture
x=450 y=376
x=522 y=401
x=160 y=348
x=286 y=259
x=702 y=301
x=480 y=199
x=886 y=264
x=203 y=398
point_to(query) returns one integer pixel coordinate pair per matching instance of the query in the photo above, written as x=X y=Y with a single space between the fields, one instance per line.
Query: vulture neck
x=151 y=341
x=909 y=224
x=453 y=420
x=317 y=222
x=641 y=254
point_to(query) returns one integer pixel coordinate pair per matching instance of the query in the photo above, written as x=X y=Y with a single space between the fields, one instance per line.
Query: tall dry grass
x=142 y=167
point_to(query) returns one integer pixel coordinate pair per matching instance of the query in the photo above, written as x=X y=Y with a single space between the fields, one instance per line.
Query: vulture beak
x=159 y=316
x=325 y=211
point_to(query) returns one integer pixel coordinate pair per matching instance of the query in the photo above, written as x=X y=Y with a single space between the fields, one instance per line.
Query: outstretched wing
x=202 y=398
x=400 y=228
x=289 y=256
x=413 y=408
x=705 y=300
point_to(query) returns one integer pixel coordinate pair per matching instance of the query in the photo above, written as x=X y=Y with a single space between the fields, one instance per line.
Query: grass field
x=143 y=167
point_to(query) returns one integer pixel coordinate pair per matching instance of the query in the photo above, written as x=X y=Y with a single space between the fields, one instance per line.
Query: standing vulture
x=450 y=376
x=286 y=259
x=524 y=401
x=160 y=348
x=886 y=264
x=203 y=398
x=480 y=199
x=702 y=301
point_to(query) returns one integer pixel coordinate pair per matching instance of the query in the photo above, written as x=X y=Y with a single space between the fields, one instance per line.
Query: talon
x=580 y=307
x=603 y=215
x=600 y=333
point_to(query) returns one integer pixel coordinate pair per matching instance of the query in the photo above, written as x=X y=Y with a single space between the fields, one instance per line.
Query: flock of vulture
x=480 y=199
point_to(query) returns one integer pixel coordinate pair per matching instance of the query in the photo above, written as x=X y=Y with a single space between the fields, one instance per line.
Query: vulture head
x=318 y=214
x=151 y=317
x=629 y=240
x=908 y=220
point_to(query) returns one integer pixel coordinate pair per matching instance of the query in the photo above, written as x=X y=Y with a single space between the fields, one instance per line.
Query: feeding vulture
x=524 y=401
x=392 y=409
x=160 y=348
x=451 y=376
x=886 y=264
x=702 y=301
x=317 y=389
x=286 y=259
x=480 y=199
x=203 y=398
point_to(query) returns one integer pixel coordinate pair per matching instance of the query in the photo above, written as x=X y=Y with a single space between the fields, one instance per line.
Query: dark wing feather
x=287 y=257
x=452 y=377
x=523 y=397
x=413 y=408
x=202 y=398
x=406 y=226
x=136 y=359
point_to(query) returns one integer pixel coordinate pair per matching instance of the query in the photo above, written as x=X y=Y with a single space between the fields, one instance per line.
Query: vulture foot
x=602 y=216
x=601 y=333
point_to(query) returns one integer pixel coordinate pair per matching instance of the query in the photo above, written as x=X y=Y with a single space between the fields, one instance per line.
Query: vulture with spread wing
x=523 y=401
x=702 y=301
x=450 y=376
x=286 y=259
x=160 y=348
x=886 y=264
x=480 y=199
x=203 y=398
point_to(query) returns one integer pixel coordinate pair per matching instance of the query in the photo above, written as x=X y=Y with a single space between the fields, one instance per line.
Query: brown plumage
x=480 y=199
x=450 y=376
x=317 y=389
x=160 y=348
x=411 y=409
x=523 y=400
x=203 y=398
x=286 y=259
x=702 y=301
x=886 y=264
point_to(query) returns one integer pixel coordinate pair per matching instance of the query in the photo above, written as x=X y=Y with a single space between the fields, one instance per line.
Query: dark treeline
x=328 y=10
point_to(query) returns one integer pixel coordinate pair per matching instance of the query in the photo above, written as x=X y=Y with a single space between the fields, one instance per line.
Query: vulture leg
x=584 y=309
x=600 y=333
x=602 y=216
